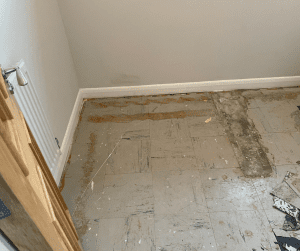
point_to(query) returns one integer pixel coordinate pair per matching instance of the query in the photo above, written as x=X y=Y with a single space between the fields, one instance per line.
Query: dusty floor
x=183 y=172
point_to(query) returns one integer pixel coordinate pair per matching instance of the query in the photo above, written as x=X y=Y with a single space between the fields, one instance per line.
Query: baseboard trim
x=125 y=91
x=68 y=138
x=206 y=86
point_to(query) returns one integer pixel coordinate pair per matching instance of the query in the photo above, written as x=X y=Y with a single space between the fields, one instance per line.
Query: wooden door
x=39 y=218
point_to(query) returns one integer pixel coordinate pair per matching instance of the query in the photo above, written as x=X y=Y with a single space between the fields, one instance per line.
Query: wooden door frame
x=28 y=187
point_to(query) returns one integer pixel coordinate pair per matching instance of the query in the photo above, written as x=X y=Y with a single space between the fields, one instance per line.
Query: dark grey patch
x=242 y=134
x=243 y=236
x=296 y=116
x=198 y=225
x=291 y=241
x=148 y=212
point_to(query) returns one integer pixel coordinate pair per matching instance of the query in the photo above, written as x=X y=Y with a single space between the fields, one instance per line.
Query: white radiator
x=34 y=115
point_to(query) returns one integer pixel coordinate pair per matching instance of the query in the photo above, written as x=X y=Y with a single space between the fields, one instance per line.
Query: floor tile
x=214 y=152
x=169 y=129
x=199 y=128
x=124 y=158
x=175 y=184
x=172 y=148
x=279 y=118
x=176 y=164
x=133 y=233
x=228 y=190
x=258 y=118
x=90 y=238
x=274 y=118
x=282 y=148
x=242 y=230
x=127 y=194
x=134 y=130
x=180 y=233
x=178 y=192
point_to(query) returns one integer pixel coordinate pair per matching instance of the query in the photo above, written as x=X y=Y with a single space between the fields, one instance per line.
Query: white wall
x=33 y=30
x=133 y=42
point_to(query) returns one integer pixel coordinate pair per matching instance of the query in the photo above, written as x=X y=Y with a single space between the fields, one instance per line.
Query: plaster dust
x=182 y=172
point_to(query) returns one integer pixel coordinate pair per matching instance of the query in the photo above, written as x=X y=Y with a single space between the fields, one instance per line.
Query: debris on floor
x=288 y=190
x=287 y=199
x=208 y=120
x=287 y=208
x=290 y=248
x=290 y=224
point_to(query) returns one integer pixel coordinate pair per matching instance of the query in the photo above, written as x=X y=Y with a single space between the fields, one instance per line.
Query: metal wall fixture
x=22 y=81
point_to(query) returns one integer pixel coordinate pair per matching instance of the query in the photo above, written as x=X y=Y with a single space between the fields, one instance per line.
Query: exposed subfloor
x=183 y=172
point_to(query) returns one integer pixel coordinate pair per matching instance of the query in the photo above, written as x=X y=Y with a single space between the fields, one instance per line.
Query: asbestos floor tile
x=180 y=233
x=242 y=230
x=282 y=148
x=280 y=118
x=134 y=130
x=176 y=164
x=132 y=233
x=228 y=190
x=258 y=118
x=90 y=238
x=182 y=148
x=126 y=194
x=264 y=186
x=178 y=192
x=169 y=129
x=129 y=156
x=276 y=118
x=214 y=152
x=199 y=128
x=136 y=181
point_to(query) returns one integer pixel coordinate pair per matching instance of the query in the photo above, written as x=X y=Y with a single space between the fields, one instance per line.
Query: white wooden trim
x=206 y=86
x=68 y=138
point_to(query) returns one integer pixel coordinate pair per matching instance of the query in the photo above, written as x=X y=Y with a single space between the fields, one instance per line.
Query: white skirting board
x=68 y=138
x=205 y=86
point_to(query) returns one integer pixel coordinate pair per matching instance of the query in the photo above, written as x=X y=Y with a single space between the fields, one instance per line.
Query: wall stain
x=151 y=116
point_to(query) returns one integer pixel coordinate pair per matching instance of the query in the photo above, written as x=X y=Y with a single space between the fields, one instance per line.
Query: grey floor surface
x=183 y=172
